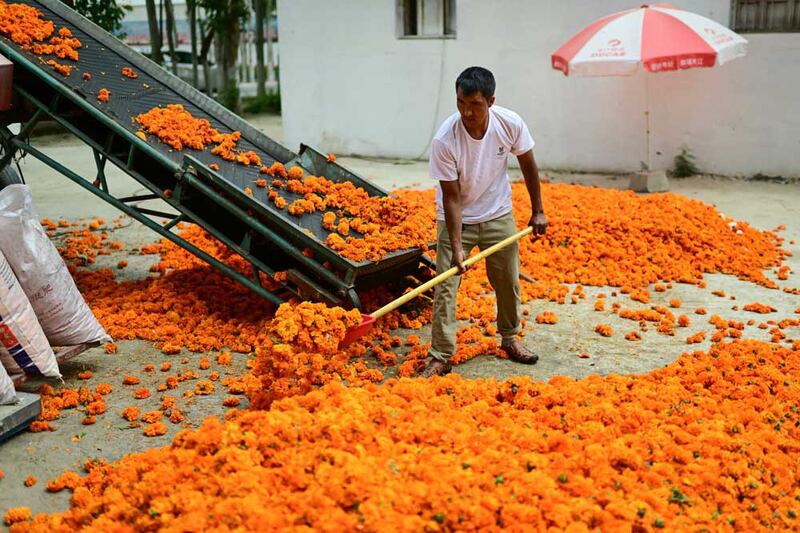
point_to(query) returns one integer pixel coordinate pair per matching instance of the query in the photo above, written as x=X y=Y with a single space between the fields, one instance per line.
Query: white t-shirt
x=480 y=165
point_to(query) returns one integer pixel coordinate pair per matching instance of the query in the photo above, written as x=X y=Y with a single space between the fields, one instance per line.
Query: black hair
x=476 y=79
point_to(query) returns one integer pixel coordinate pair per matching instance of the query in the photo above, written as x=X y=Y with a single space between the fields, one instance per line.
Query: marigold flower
x=130 y=413
x=604 y=329
x=295 y=173
x=155 y=430
x=41 y=425
x=204 y=387
x=633 y=336
x=141 y=393
x=759 y=308
x=696 y=338
x=231 y=401
x=547 y=317
x=152 y=417
x=15 y=515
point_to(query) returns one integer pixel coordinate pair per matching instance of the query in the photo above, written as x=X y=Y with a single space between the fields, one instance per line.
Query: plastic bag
x=23 y=344
x=8 y=395
x=43 y=275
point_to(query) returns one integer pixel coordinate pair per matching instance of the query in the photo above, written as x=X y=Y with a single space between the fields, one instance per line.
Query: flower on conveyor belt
x=25 y=26
x=128 y=72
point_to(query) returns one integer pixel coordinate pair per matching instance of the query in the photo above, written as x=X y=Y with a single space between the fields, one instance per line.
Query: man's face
x=474 y=109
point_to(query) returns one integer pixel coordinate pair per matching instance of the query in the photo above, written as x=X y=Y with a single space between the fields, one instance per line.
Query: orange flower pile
x=631 y=240
x=194 y=307
x=383 y=224
x=177 y=127
x=25 y=26
x=708 y=442
x=53 y=402
x=103 y=95
x=301 y=351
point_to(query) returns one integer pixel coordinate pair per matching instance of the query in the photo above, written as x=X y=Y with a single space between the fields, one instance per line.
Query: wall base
x=650 y=181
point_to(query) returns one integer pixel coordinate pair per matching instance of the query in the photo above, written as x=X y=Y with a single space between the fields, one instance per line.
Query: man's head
x=474 y=95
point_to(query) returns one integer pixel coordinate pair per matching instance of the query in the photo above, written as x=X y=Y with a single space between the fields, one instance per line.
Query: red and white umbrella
x=660 y=36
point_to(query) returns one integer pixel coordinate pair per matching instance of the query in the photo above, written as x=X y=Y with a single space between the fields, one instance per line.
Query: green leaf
x=678 y=497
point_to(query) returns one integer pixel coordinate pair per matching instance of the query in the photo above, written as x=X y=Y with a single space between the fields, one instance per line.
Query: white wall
x=350 y=86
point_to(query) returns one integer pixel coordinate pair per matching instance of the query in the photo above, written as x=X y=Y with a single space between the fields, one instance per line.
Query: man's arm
x=527 y=163
x=451 y=202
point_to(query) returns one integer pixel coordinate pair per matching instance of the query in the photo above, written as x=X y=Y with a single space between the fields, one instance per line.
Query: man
x=469 y=159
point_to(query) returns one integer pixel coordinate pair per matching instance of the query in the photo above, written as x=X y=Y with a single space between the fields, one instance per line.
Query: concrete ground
x=45 y=455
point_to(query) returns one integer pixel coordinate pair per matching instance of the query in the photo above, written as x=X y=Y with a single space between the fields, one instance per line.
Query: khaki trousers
x=502 y=269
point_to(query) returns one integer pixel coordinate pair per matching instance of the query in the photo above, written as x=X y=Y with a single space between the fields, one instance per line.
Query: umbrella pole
x=647 y=116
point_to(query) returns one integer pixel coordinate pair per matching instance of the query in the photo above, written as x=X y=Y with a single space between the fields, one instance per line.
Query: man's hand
x=539 y=224
x=458 y=260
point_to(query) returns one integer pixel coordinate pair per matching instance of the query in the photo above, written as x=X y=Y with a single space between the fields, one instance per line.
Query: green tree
x=105 y=13
x=172 y=35
x=155 y=32
x=191 y=10
x=259 y=6
x=225 y=19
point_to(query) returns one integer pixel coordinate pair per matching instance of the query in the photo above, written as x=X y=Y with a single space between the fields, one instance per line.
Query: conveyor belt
x=270 y=238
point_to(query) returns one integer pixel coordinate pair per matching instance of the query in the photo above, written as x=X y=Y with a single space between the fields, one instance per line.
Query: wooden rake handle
x=394 y=304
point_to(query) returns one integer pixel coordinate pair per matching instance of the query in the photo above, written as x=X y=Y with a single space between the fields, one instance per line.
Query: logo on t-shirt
x=501 y=151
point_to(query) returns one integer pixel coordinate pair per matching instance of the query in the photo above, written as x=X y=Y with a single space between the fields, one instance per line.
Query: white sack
x=23 y=345
x=8 y=395
x=43 y=275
